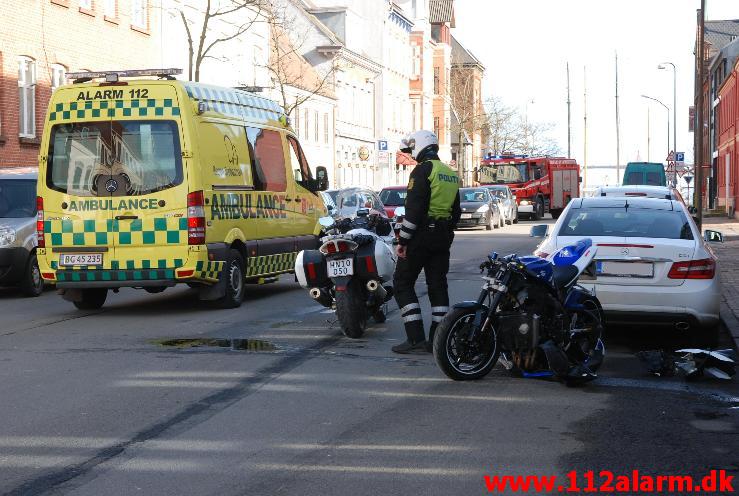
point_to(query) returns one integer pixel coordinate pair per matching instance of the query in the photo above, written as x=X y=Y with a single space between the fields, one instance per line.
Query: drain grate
x=241 y=344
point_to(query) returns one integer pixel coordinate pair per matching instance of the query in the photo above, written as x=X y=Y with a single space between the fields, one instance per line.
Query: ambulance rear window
x=143 y=156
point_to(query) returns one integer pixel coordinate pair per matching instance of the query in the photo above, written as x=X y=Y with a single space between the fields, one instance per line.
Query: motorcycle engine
x=530 y=317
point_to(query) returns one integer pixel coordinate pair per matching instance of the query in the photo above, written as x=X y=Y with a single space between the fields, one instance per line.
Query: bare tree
x=287 y=67
x=218 y=22
x=510 y=132
x=464 y=93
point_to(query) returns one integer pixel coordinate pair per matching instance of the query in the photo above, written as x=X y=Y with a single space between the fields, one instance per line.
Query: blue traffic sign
x=382 y=145
x=680 y=157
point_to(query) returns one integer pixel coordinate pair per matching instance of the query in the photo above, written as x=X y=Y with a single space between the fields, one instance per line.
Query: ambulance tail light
x=195 y=218
x=40 y=239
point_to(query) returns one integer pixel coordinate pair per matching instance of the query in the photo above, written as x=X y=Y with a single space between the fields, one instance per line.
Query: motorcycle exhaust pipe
x=376 y=288
x=321 y=297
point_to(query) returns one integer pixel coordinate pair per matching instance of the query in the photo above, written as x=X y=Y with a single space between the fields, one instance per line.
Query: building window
x=416 y=62
x=306 y=122
x=315 y=126
x=27 y=97
x=86 y=5
x=436 y=80
x=436 y=126
x=58 y=76
x=325 y=129
x=140 y=14
x=110 y=9
x=295 y=119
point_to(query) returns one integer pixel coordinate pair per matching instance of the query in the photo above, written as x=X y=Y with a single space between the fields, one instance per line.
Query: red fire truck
x=541 y=184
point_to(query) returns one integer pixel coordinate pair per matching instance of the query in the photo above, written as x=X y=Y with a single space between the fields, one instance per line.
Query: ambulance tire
x=235 y=281
x=92 y=299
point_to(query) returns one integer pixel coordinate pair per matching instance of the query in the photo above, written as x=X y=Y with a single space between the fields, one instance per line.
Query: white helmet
x=418 y=141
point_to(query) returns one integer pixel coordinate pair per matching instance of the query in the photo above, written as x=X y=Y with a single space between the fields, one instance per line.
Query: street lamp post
x=668 y=119
x=664 y=65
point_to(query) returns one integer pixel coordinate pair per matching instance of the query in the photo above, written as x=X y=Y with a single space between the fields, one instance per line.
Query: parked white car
x=640 y=190
x=507 y=200
x=652 y=265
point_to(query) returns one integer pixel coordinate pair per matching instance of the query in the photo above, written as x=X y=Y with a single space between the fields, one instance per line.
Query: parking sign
x=382 y=145
x=680 y=157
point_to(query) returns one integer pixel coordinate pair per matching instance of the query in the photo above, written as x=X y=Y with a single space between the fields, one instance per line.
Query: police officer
x=431 y=214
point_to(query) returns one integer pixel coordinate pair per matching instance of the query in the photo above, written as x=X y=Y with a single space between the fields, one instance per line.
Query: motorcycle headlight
x=7 y=236
x=484 y=208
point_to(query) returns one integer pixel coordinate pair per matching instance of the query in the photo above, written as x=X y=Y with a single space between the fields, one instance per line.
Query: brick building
x=40 y=40
x=726 y=159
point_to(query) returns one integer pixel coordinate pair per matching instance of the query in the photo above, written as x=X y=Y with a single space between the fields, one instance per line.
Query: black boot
x=408 y=347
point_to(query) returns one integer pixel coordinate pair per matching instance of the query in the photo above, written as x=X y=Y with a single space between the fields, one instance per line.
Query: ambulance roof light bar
x=113 y=76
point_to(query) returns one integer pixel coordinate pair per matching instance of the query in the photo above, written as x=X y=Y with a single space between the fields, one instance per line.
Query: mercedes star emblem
x=111 y=185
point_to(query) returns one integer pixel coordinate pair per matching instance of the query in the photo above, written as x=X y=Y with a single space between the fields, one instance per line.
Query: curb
x=730 y=322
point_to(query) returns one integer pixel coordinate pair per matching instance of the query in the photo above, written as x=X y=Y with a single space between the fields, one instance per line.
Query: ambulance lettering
x=113 y=205
x=232 y=206
x=100 y=95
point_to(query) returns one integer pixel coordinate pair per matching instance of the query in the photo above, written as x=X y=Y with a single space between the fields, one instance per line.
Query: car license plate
x=67 y=259
x=466 y=216
x=625 y=269
x=341 y=267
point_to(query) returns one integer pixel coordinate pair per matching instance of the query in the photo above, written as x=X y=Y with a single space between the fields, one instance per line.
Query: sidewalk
x=728 y=254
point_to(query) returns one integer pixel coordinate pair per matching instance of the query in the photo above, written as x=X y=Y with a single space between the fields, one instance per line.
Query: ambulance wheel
x=92 y=299
x=33 y=283
x=235 y=281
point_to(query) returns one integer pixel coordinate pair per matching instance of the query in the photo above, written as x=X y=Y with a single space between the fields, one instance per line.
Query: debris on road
x=694 y=363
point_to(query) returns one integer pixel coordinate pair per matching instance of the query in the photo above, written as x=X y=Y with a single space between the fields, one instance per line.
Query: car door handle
x=126 y=217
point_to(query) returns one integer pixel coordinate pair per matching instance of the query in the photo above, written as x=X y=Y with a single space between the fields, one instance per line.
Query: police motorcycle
x=352 y=271
x=530 y=314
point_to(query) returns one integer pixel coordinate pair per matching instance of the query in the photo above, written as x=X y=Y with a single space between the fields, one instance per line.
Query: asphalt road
x=96 y=403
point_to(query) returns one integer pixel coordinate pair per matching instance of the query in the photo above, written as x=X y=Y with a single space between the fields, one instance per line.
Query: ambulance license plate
x=341 y=267
x=67 y=259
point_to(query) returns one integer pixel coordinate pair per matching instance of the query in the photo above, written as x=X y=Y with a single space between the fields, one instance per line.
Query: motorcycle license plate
x=67 y=259
x=341 y=267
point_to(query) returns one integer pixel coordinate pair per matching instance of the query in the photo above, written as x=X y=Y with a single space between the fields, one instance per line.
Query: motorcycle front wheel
x=352 y=310
x=458 y=358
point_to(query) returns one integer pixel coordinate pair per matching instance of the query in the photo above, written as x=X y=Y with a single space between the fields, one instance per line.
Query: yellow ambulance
x=148 y=182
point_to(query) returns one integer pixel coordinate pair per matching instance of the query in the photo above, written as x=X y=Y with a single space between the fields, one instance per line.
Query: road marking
x=440 y=471
x=375 y=447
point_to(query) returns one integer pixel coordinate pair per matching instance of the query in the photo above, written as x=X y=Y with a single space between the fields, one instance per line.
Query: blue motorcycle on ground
x=530 y=314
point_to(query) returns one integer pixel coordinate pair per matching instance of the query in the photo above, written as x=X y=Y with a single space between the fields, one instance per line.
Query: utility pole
x=585 y=128
x=698 y=159
x=618 y=131
x=569 y=114
x=649 y=141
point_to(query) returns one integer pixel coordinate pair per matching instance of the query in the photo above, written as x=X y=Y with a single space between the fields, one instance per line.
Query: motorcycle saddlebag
x=310 y=269
x=374 y=261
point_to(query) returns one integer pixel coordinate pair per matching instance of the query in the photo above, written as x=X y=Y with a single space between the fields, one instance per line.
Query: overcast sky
x=525 y=45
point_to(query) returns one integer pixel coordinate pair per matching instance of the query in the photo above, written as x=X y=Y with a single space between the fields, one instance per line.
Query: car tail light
x=334 y=246
x=195 y=218
x=40 y=239
x=694 y=269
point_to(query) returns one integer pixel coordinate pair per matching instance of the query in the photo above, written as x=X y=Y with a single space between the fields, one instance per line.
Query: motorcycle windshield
x=351 y=200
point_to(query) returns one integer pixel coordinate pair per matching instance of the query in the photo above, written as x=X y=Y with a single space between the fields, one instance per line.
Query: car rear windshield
x=626 y=222
x=473 y=195
x=142 y=156
x=17 y=198
x=393 y=197
x=644 y=178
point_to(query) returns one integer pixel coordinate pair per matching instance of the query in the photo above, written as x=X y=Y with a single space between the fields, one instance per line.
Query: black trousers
x=427 y=251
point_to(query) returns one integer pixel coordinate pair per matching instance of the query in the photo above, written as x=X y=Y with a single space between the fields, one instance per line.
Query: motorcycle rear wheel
x=352 y=310
x=589 y=349
x=455 y=356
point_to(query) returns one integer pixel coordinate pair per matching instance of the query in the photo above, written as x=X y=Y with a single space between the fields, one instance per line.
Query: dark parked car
x=18 y=264
x=479 y=208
